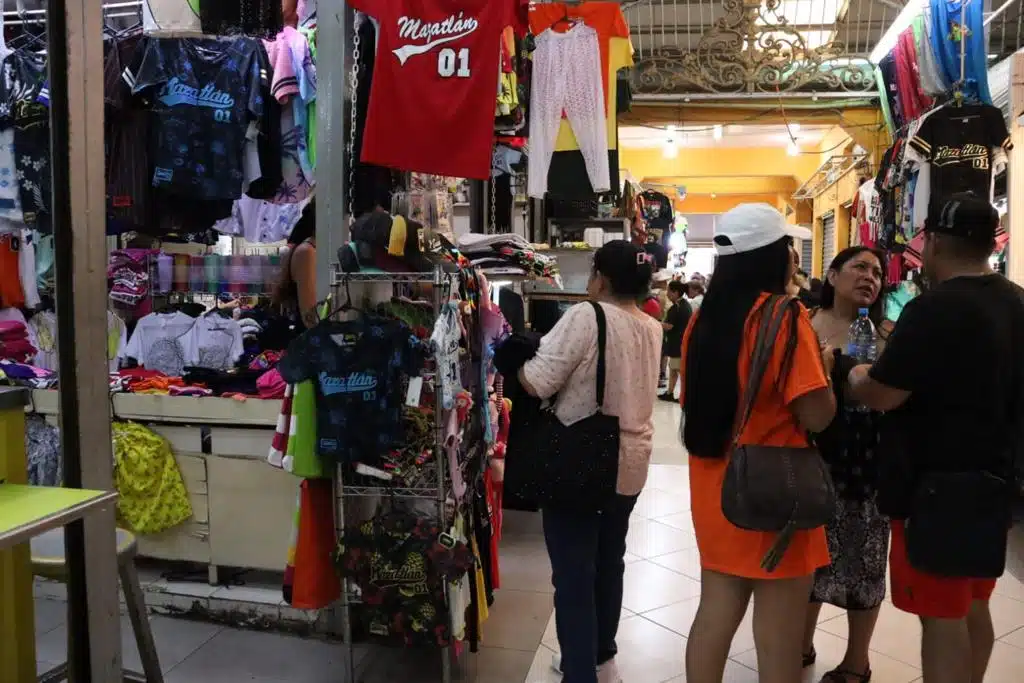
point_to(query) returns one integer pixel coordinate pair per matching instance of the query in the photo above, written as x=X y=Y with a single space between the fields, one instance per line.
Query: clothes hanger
x=347 y=306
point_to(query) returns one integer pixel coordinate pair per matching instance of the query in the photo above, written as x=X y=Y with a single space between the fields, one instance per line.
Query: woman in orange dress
x=756 y=259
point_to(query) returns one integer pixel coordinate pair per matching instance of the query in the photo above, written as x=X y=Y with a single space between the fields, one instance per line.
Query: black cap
x=964 y=215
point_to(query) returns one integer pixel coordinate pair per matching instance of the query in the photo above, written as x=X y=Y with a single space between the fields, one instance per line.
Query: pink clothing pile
x=128 y=275
x=14 y=342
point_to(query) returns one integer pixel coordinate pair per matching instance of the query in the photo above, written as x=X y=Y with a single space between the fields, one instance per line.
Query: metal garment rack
x=443 y=285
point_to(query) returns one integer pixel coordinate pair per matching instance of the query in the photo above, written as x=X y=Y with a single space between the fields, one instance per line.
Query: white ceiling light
x=716 y=132
x=892 y=34
x=792 y=150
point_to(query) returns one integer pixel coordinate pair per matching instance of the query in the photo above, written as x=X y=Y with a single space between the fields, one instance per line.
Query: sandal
x=810 y=657
x=845 y=676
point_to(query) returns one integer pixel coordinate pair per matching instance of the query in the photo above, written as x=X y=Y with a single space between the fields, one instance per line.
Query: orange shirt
x=11 y=294
x=726 y=548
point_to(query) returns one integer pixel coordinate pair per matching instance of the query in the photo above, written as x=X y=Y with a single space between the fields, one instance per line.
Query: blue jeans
x=587 y=566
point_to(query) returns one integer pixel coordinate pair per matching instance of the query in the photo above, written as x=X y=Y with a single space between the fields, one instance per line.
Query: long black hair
x=876 y=312
x=712 y=393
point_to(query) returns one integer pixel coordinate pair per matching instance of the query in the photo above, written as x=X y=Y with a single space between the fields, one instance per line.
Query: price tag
x=412 y=397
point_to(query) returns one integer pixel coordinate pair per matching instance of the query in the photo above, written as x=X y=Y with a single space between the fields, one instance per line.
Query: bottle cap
x=862 y=311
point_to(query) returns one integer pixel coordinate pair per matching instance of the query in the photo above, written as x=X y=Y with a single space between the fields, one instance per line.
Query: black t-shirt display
x=958 y=142
x=205 y=94
x=127 y=123
x=679 y=317
x=957 y=349
x=657 y=211
x=358 y=367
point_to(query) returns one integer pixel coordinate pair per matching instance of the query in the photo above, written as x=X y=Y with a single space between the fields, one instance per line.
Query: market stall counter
x=242 y=510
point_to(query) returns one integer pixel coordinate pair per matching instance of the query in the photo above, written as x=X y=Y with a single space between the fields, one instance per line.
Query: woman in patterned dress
x=858 y=536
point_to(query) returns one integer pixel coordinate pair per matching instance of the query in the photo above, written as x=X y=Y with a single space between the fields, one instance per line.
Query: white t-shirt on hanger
x=214 y=342
x=171 y=15
x=159 y=342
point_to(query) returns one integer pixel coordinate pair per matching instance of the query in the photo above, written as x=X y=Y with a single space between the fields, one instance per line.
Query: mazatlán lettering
x=455 y=27
x=410 y=28
x=176 y=92
x=349 y=384
x=966 y=151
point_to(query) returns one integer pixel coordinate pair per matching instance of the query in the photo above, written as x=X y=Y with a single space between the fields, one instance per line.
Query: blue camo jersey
x=358 y=368
x=204 y=93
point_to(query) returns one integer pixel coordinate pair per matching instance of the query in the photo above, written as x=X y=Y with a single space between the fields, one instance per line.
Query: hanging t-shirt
x=868 y=213
x=445 y=340
x=27 y=267
x=293 y=84
x=657 y=211
x=172 y=15
x=959 y=142
x=11 y=294
x=44 y=326
x=127 y=124
x=10 y=199
x=435 y=82
x=214 y=342
x=358 y=367
x=20 y=85
x=205 y=93
x=159 y=342
x=951 y=18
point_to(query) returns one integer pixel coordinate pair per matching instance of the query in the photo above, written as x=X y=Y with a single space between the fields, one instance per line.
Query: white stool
x=49 y=562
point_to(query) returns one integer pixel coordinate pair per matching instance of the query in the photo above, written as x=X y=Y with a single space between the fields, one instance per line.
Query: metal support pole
x=75 y=32
x=333 y=24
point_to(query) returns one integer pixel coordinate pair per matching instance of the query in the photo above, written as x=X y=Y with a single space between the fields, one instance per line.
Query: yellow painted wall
x=724 y=161
x=738 y=175
x=838 y=197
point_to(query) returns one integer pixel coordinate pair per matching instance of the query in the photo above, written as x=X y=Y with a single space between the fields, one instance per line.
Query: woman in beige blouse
x=587 y=549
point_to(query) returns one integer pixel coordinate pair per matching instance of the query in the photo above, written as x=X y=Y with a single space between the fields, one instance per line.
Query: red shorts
x=927 y=595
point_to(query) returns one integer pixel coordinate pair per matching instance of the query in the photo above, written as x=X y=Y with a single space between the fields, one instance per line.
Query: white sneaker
x=608 y=673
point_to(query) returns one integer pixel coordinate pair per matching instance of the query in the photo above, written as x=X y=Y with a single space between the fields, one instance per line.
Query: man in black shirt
x=676 y=319
x=950 y=375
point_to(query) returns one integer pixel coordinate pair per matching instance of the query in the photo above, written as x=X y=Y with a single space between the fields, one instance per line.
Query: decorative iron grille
x=769 y=47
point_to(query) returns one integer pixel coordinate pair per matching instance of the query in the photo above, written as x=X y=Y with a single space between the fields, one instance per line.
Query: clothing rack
x=443 y=285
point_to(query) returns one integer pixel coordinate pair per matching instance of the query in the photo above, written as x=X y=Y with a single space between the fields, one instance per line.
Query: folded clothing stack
x=25 y=375
x=507 y=254
x=128 y=275
x=14 y=342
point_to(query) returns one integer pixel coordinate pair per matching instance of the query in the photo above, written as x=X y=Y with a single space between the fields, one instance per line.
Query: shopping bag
x=310 y=581
x=301 y=458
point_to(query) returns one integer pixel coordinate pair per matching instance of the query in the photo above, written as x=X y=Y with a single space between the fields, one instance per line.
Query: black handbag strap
x=772 y=315
x=602 y=329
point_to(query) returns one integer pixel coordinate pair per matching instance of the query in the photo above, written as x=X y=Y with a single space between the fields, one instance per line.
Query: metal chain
x=494 y=208
x=353 y=95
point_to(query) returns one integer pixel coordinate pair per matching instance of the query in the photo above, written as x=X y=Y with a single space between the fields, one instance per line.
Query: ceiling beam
x=769 y=113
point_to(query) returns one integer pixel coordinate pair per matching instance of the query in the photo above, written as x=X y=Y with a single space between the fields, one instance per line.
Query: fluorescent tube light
x=901 y=23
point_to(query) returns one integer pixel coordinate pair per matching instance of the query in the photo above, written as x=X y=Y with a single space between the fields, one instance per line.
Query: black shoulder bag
x=578 y=464
x=774 y=488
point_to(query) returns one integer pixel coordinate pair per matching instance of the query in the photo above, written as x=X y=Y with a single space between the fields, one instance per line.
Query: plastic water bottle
x=862 y=345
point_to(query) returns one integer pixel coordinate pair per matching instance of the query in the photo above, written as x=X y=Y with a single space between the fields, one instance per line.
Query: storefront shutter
x=828 y=242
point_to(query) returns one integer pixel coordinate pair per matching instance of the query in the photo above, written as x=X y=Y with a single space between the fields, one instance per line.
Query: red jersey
x=435 y=84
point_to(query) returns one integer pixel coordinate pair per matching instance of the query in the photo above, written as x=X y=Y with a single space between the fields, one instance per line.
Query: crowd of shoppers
x=919 y=446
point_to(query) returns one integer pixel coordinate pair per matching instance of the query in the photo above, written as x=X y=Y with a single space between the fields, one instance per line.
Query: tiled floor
x=661 y=592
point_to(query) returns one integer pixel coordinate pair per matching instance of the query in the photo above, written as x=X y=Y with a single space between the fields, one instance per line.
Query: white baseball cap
x=751 y=226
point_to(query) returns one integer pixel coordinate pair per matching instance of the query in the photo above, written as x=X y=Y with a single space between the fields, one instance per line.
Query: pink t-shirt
x=566 y=364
